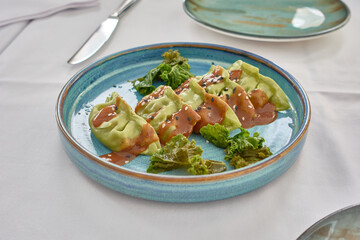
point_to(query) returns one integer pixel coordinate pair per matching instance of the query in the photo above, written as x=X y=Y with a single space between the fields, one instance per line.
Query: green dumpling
x=167 y=113
x=249 y=78
x=211 y=108
x=117 y=126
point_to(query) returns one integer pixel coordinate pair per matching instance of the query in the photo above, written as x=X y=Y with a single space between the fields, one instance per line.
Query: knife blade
x=101 y=35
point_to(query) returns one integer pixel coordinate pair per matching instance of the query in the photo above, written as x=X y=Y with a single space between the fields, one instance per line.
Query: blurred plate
x=285 y=136
x=277 y=20
x=343 y=224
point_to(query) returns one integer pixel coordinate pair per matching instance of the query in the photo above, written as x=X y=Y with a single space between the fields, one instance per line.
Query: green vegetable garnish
x=174 y=70
x=179 y=152
x=217 y=134
x=242 y=149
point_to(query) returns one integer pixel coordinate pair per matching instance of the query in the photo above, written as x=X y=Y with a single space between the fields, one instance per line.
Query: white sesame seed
x=250 y=106
x=247 y=97
x=239 y=94
x=234 y=106
x=186 y=108
x=163 y=125
x=143 y=103
x=243 y=118
x=126 y=161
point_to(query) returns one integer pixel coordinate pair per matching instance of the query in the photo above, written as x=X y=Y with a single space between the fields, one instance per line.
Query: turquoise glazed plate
x=342 y=224
x=277 y=20
x=285 y=136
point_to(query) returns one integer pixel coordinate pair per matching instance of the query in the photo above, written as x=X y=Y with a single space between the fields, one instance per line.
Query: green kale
x=174 y=70
x=249 y=156
x=242 y=149
x=201 y=166
x=177 y=75
x=217 y=134
x=179 y=152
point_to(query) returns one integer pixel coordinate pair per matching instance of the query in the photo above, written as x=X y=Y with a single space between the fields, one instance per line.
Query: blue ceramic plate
x=277 y=20
x=342 y=224
x=92 y=85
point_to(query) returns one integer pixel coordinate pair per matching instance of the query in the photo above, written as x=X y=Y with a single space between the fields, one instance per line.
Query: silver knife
x=101 y=35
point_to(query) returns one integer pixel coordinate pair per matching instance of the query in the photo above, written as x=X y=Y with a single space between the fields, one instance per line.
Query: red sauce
x=150 y=97
x=134 y=146
x=265 y=111
x=184 y=86
x=266 y=114
x=212 y=78
x=106 y=114
x=184 y=121
x=212 y=111
x=242 y=106
x=235 y=75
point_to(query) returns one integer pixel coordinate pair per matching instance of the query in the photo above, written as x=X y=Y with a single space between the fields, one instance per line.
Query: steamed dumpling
x=250 y=79
x=210 y=107
x=117 y=126
x=167 y=113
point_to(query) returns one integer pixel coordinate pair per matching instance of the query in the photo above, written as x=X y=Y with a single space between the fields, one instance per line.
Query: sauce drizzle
x=135 y=146
x=106 y=114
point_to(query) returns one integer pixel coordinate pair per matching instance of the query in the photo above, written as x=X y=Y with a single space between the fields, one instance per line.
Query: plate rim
x=268 y=38
x=186 y=178
x=310 y=230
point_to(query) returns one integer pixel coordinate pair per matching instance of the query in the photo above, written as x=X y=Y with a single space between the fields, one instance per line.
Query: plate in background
x=277 y=20
x=342 y=224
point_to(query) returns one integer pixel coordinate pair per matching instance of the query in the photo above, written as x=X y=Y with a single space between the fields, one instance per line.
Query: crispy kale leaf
x=179 y=152
x=242 y=149
x=201 y=166
x=174 y=70
x=249 y=156
x=217 y=134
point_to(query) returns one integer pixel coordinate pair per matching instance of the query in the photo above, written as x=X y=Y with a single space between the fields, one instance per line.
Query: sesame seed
x=234 y=89
x=227 y=97
x=145 y=100
x=212 y=99
x=209 y=108
x=207 y=141
x=177 y=118
x=250 y=106
x=127 y=161
x=143 y=103
x=243 y=118
x=247 y=97
x=225 y=89
x=239 y=94
x=128 y=156
x=163 y=126
x=186 y=108
x=152 y=117
x=189 y=119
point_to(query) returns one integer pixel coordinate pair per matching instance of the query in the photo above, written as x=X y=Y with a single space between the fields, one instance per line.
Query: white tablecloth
x=44 y=196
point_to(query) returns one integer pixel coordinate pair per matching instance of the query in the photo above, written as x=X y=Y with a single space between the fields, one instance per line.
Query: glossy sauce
x=265 y=110
x=184 y=86
x=136 y=146
x=212 y=111
x=213 y=78
x=106 y=114
x=242 y=106
x=235 y=75
x=150 y=97
x=184 y=121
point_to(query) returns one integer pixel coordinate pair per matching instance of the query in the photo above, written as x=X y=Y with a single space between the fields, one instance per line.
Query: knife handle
x=123 y=7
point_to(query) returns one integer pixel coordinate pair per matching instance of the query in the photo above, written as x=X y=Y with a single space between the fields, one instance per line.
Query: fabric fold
x=12 y=11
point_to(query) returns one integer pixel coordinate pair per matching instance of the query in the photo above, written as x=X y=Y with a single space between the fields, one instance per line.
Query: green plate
x=277 y=20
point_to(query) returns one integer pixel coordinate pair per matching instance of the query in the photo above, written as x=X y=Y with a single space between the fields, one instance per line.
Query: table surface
x=44 y=195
